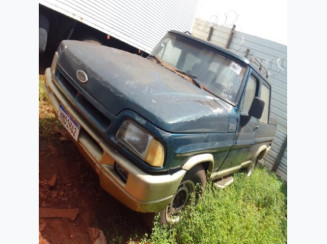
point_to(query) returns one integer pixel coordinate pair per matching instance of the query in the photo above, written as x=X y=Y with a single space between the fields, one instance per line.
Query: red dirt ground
x=77 y=186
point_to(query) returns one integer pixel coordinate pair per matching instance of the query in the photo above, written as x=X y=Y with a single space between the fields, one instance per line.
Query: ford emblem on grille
x=81 y=76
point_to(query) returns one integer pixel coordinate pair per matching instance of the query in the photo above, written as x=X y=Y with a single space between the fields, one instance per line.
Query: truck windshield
x=218 y=74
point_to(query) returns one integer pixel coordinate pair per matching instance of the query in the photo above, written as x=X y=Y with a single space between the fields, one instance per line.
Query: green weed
x=251 y=210
x=42 y=93
x=48 y=124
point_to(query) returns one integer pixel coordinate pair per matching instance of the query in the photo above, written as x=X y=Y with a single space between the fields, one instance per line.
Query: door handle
x=255 y=127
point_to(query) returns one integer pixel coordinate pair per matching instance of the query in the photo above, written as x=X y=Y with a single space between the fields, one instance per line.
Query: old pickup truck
x=152 y=128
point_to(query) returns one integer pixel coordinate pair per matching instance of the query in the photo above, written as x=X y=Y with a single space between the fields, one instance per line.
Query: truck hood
x=123 y=81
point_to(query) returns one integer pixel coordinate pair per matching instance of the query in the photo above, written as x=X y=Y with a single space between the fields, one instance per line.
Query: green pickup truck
x=152 y=128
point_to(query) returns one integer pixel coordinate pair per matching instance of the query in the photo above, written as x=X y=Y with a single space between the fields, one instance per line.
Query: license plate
x=69 y=122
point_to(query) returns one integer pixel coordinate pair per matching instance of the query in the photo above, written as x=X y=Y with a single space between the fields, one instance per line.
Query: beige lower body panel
x=226 y=172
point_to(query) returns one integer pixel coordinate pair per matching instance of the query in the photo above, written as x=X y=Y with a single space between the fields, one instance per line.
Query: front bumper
x=141 y=192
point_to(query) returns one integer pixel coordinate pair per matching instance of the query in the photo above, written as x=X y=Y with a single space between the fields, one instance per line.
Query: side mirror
x=257 y=107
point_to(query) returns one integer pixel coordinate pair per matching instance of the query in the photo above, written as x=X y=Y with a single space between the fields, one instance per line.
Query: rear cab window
x=265 y=96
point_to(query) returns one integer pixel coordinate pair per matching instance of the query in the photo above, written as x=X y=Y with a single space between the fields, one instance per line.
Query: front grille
x=92 y=146
x=83 y=104
x=69 y=87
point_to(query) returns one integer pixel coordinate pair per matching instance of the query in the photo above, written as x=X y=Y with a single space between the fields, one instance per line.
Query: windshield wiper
x=207 y=90
x=155 y=58
x=184 y=73
x=193 y=78
x=195 y=82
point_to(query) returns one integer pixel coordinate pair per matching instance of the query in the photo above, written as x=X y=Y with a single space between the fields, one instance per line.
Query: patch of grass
x=48 y=124
x=251 y=210
x=42 y=93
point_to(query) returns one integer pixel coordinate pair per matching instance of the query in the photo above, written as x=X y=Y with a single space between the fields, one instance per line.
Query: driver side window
x=250 y=92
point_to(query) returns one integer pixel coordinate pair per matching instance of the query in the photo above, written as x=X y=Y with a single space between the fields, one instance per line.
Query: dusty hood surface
x=120 y=80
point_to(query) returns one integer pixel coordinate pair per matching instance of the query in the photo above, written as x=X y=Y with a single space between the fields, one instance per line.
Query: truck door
x=245 y=134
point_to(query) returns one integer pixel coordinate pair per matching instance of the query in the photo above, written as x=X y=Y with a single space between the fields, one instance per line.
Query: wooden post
x=230 y=37
x=210 y=34
x=247 y=52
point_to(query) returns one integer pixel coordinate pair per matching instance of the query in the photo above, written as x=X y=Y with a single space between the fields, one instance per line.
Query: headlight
x=141 y=143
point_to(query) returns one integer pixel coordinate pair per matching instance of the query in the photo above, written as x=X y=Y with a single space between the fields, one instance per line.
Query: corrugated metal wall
x=139 y=23
x=274 y=56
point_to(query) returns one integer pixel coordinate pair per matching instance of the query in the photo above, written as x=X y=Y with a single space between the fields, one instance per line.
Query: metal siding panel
x=281 y=174
x=282 y=168
x=283 y=162
x=256 y=43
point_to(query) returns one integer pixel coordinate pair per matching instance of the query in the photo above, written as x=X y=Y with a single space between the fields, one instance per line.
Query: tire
x=181 y=198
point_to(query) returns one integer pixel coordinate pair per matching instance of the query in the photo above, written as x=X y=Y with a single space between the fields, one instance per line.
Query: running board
x=224 y=182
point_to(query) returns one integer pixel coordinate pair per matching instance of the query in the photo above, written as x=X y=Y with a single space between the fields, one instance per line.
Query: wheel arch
x=262 y=151
x=206 y=160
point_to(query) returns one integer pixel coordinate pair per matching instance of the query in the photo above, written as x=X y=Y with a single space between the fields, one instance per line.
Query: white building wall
x=139 y=23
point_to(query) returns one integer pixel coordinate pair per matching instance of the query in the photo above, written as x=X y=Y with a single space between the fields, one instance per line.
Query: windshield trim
x=240 y=91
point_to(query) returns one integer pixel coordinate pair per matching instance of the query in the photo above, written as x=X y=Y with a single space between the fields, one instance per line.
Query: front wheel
x=193 y=178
